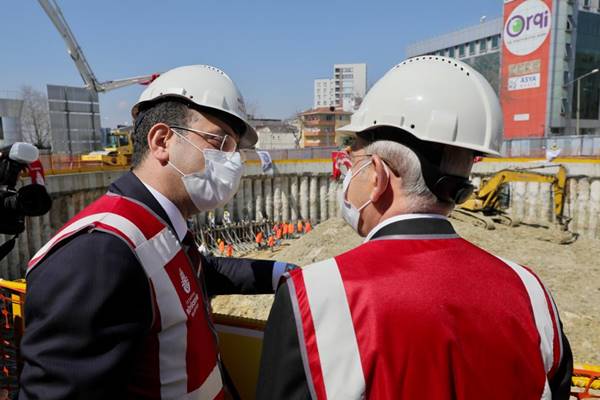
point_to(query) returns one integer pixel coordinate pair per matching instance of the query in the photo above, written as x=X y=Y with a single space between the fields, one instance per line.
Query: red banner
x=525 y=65
x=341 y=164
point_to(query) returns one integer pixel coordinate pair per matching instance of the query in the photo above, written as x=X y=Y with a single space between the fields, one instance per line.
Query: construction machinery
x=117 y=153
x=485 y=205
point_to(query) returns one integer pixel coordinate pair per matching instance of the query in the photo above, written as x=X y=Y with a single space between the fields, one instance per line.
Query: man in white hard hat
x=415 y=311
x=117 y=302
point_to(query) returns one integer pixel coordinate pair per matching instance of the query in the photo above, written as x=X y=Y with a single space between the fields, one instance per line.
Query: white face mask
x=218 y=183
x=350 y=213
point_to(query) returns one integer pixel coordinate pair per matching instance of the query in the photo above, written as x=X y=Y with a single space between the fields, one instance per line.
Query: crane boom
x=53 y=11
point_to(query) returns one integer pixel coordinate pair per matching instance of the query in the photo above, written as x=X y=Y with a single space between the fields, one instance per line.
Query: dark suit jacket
x=88 y=307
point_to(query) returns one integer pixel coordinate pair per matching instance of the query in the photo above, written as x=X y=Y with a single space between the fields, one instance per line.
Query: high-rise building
x=350 y=85
x=537 y=56
x=345 y=91
x=324 y=93
x=478 y=46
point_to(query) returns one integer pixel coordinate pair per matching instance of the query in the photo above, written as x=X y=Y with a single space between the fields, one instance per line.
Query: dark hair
x=169 y=112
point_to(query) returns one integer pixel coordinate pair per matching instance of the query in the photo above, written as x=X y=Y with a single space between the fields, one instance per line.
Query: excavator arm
x=486 y=198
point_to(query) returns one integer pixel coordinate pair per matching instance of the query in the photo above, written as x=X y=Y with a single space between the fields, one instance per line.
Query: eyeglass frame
x=386 y=162
x=203 y=133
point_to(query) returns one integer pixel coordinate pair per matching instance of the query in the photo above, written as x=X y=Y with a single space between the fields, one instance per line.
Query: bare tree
x=35 y=119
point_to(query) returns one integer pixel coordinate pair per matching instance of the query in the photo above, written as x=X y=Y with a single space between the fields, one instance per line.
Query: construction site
x=537 y=203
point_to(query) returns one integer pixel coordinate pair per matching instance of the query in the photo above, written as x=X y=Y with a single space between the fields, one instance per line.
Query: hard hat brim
x=356 y=129
x=248 y=135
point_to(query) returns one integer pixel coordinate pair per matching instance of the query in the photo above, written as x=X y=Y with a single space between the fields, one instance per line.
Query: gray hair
x=400 y=158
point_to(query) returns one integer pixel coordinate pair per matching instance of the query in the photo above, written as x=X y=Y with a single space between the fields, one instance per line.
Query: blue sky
x=272 y=49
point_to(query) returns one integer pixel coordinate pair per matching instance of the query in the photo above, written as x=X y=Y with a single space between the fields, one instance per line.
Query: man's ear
x=158 y=137
x=380 y=178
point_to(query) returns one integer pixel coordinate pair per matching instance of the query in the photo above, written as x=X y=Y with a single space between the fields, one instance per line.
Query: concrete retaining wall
x=303 y=190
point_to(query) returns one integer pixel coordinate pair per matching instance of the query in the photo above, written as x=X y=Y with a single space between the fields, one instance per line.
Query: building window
x=472 y=48
x=347 y=76
x=1 y=130
x=482 y=46
x=494 y=42
x=451 y=52
x=461 y=50
x=564 y=106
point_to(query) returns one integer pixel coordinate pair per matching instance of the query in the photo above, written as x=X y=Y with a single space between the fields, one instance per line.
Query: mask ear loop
x=387 y=173
x=175 y=168
x=353 y=175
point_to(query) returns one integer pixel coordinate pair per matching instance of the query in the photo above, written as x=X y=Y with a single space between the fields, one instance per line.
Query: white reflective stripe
x=172 y=343
x=541 y=314
x=123 y=224
x=547 y=393
x=558 y=329
x=336 y=340
x=210 y=388
x=154 y=255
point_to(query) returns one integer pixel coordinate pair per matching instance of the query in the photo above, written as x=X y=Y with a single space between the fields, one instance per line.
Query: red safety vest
x=409 y=317
x=180 y=358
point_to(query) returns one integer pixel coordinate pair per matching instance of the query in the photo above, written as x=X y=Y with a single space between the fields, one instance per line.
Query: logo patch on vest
x=185 y=282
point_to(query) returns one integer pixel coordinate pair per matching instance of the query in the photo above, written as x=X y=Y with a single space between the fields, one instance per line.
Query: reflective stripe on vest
x=328 y=337
x=545 y=314
x=330 y=350
x=187 y=350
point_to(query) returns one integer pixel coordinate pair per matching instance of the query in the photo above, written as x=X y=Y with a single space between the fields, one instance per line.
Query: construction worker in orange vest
x=284 y=229
x=271 y=242
x=229 y=250
x=278 y=233
x=259 y=239
x=299 y=227
x=307 y=227
x=221 y=246
x=291 y=229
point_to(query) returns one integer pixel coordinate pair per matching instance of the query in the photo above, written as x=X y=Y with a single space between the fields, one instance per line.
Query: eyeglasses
x=354 y=157
x=222 y=142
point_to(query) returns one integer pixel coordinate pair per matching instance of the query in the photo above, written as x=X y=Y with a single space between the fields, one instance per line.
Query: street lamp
x=578 y=80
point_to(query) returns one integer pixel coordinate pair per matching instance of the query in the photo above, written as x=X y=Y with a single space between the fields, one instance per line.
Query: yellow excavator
x=117 y=153
x=485 y=204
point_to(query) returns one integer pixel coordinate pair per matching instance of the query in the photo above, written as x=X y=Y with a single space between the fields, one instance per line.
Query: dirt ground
x=571 y=272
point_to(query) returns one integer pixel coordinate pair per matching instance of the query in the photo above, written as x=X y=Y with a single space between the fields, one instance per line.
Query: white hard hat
x=204 y=86
x=436 y=99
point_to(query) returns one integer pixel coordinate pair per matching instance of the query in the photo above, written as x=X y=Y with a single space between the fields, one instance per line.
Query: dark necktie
x=191 y=249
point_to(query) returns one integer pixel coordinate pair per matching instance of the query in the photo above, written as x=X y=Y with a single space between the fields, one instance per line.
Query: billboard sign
x=74 y=119
x=525 y=64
